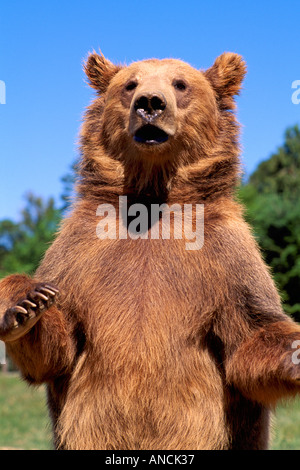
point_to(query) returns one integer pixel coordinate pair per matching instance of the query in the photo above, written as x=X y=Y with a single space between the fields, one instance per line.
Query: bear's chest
x=146 y=291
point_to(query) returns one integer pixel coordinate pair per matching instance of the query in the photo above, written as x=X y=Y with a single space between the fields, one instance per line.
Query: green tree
x=272 y=199
x=68 y=181
x=22 y=244
x=280 y=174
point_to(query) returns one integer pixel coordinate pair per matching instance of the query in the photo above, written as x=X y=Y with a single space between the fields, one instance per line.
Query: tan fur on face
x=202 y=130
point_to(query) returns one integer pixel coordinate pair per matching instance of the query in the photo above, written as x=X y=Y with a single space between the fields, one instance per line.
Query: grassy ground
x=286 y=427
x=24 y=422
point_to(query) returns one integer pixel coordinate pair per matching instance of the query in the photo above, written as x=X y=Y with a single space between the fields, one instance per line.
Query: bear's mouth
x=150 y=135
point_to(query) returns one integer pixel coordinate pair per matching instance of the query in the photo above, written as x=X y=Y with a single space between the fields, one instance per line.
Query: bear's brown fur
x=151 y=345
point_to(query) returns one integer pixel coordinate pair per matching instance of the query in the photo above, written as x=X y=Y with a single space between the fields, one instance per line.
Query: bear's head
x=155 y=118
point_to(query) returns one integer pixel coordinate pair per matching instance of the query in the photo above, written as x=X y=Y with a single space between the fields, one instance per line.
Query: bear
x=141 y=342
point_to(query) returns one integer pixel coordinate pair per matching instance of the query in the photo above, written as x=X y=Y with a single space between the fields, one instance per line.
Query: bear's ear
x=226 y=74
x=99 y=71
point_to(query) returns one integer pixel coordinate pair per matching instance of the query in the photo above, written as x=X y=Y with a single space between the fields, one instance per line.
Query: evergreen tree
x=272 y=199
x=22 y=244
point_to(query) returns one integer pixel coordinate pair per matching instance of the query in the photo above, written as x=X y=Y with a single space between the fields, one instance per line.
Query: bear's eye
x=179 y=85
x=131 y=85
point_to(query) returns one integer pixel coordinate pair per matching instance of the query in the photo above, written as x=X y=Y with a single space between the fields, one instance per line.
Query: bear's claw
x=20 y=318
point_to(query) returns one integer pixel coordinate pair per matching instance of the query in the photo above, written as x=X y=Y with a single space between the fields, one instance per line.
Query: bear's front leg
x=39 y=336
x=263 y=367
x=20 y=318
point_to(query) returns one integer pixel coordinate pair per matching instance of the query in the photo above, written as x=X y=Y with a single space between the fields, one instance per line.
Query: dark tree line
x=272 y=199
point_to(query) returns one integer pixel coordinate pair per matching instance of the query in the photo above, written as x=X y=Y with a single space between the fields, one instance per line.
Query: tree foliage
x=22 y=244
x=272 y=199
x=68 y=181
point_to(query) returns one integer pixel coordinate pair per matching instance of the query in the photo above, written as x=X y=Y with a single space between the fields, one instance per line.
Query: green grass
x=24 y=422
x=286 y=427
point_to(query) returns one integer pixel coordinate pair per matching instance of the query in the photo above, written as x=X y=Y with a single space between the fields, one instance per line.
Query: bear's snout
x=149 y=106
x=152 y=116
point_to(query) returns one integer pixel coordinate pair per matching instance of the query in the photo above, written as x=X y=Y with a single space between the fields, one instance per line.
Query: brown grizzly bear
x=151 y=345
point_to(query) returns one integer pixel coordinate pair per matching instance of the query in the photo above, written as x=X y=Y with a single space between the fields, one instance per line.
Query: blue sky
x=43 y=44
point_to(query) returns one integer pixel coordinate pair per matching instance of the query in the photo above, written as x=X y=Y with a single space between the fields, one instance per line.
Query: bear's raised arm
x=258 y=338
x=36 y=333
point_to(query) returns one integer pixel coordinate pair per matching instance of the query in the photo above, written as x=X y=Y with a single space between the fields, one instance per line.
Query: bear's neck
x=207 y=180
x=202 y=182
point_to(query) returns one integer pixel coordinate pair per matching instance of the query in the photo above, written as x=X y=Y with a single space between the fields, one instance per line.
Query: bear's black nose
x=150 y=106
